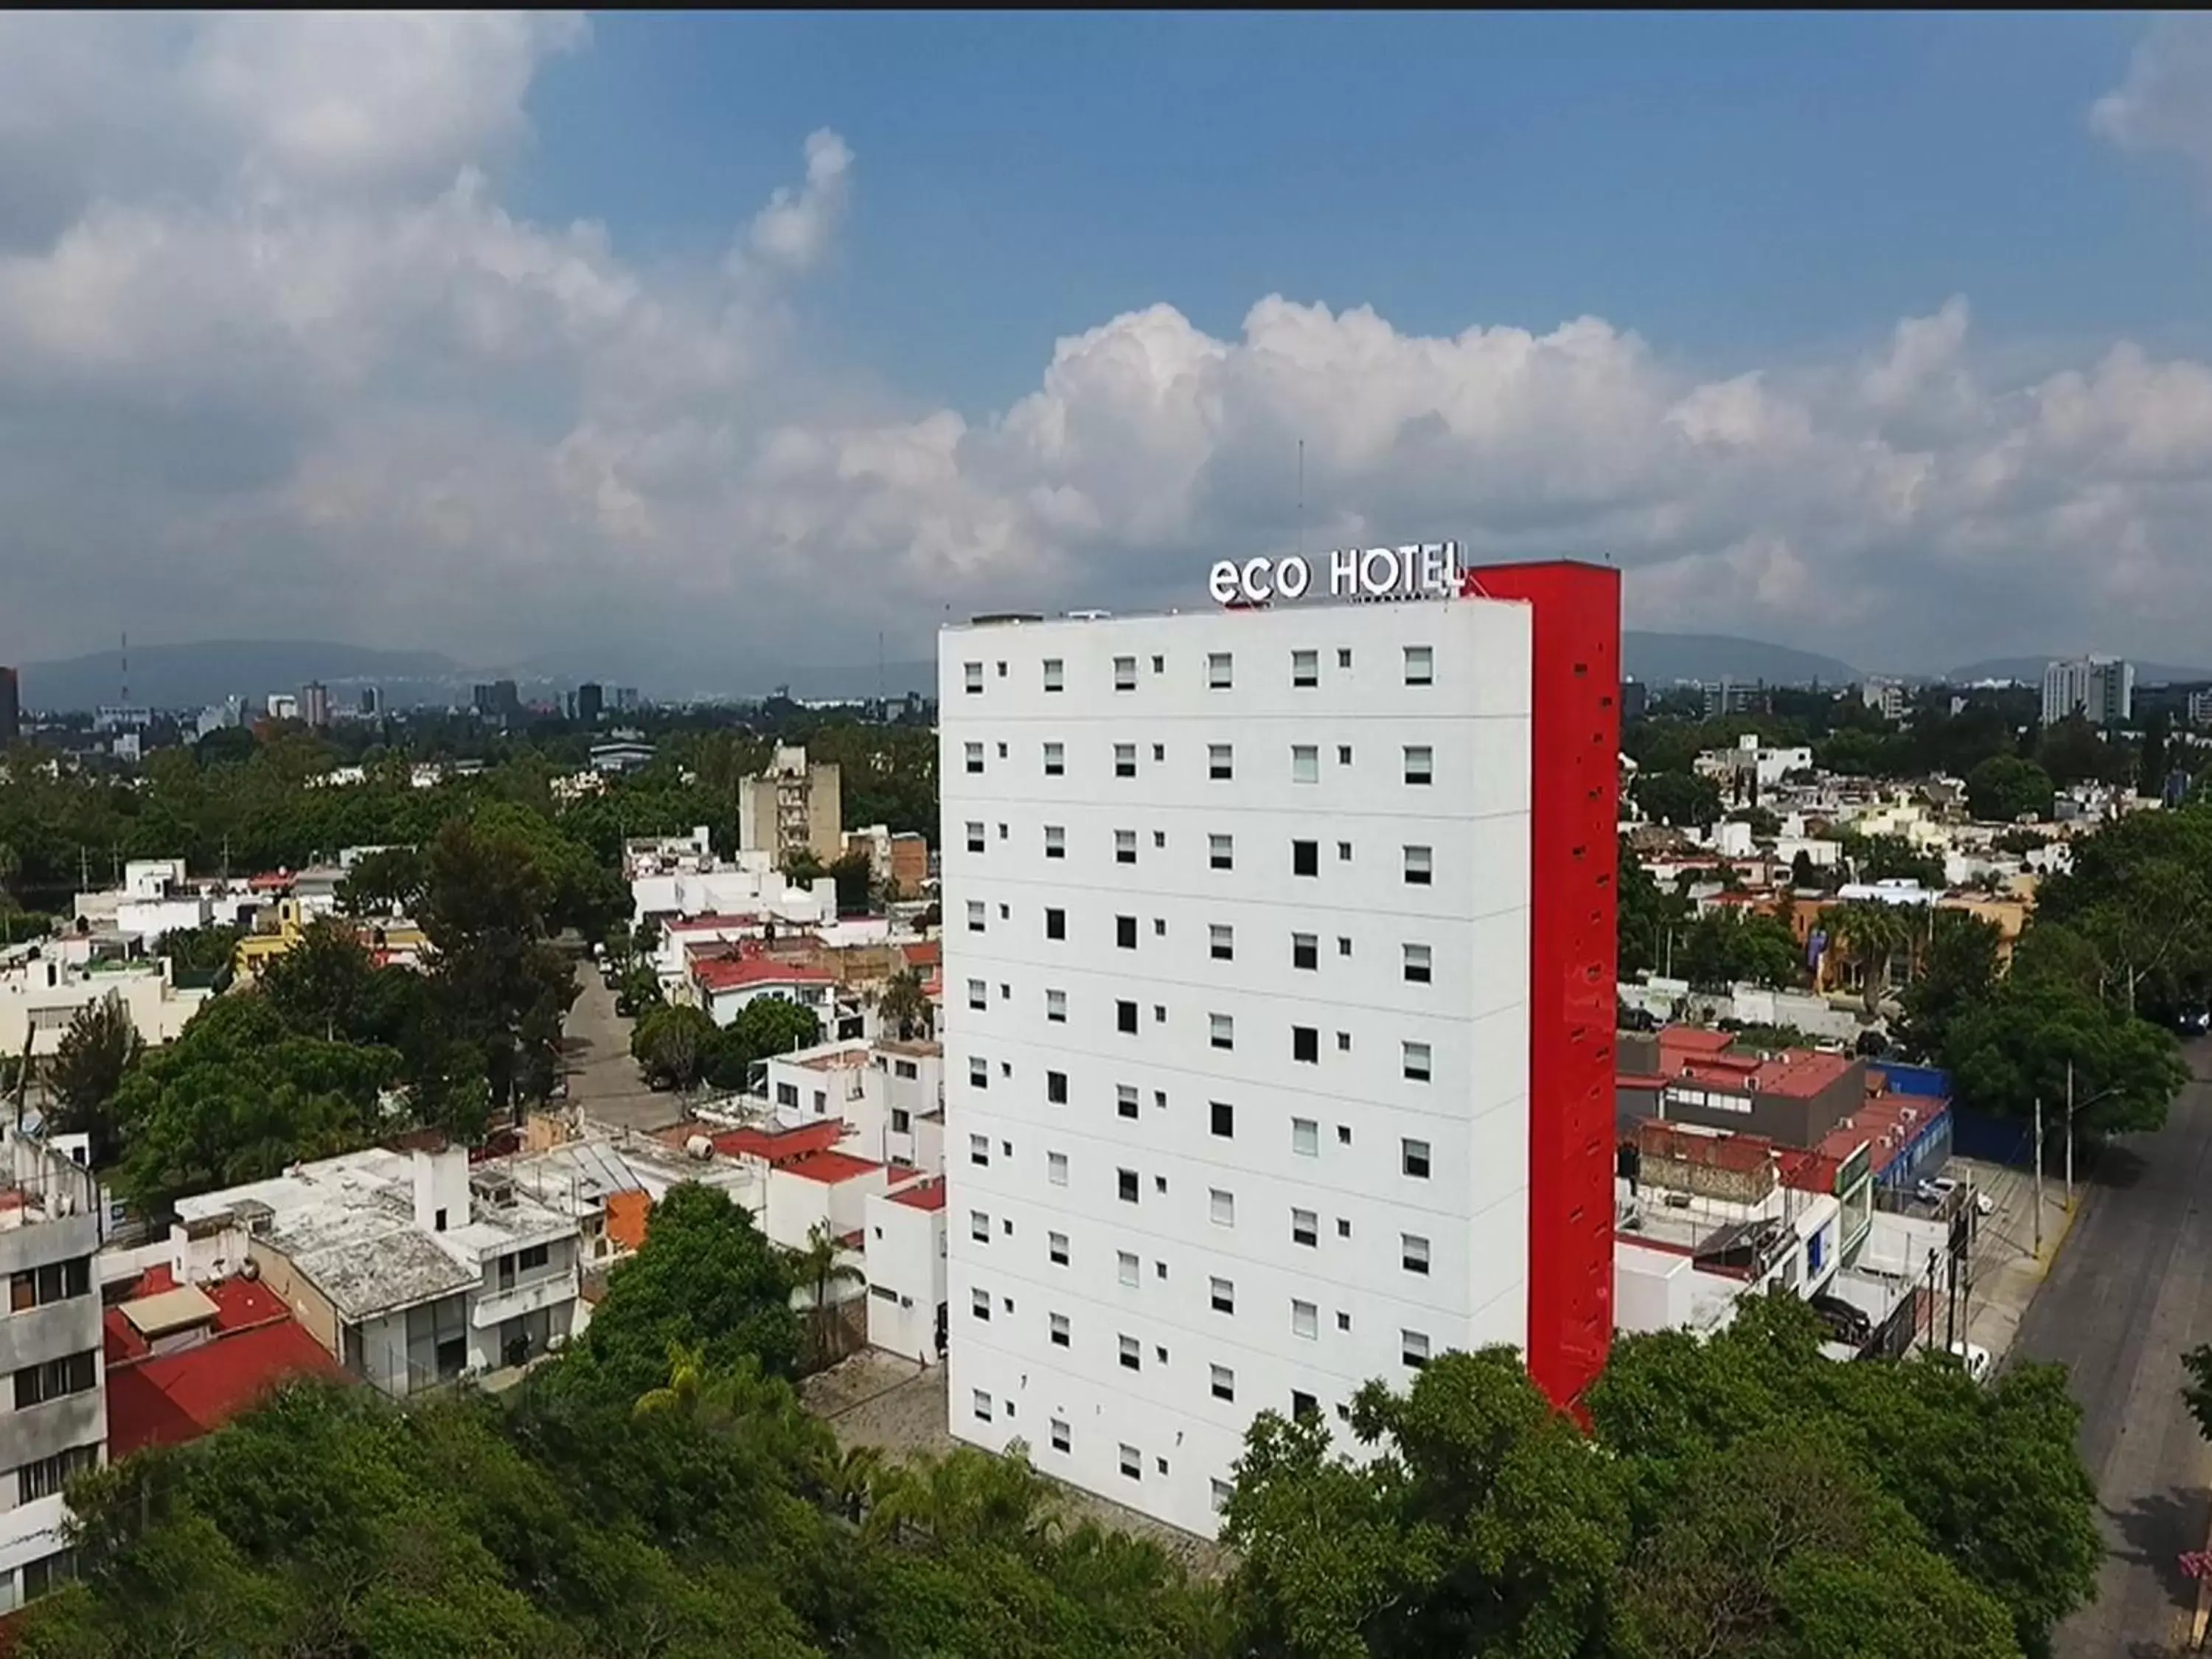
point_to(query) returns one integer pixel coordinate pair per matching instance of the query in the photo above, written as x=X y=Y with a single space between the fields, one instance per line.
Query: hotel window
x=1343 y=754
x=978 y=993
x=1221 y=941
x=1055 y=1008
x=1055 y=841
x=1133 y=1354
x=1218 y=670
x=1416 y=964
x=1305 y=1228
x=1413 y=1158
x=1419 y=865
x=1055 y=1087
x=1125 y=846
x=979 y=1151
x=1055 y=1167
x=1305 y=950
x=1305 y=1137
x=1058 y=1324
x=1160 y=664
x=1421 y=763
x=1420 y=665
x=1303 y=1406
x=1344 y=656
x=1417 y=1062
x=1222 y=1492
x=1223 y=1030
x=1305 y=1044
x=1133 y=1464
x=1413 y=1253
x=979 y=1227
x=1054 y=673
x=1306 y=1319
x=1160 y=751
x=1059 y=1434
x=975 y=836
x=979 y=1304
x=975 y=758
x=1125 y=1016
x=1223 y=1295
x=1125 y=1268
x=1223 y=1381
x=1055 y=1247
x=1125 y=761
x=1055 y=760
x=982 y=1402
x=1305 y=764
x=1125 y=1188
x=1220 y=761
x=1124 y=933
x=1125 y=673
x=1224 y=1118
x=1305 y=668
x=1221 y=1208
x=1125 y=1100
x=979 y=1072
x=1056 y=923
x=973 y=672
x=1414 y=1348
x=1305 y=858
x=1221 y=851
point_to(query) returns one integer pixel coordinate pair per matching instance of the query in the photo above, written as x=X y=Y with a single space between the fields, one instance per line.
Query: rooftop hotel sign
x=1426 y=570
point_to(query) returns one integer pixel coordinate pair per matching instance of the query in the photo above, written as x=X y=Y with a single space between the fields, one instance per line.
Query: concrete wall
x=906 y=1277
x=308 y=1305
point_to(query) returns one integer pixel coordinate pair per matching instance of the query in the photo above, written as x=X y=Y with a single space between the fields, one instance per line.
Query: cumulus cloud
x=275 y=359
x=2165 y=101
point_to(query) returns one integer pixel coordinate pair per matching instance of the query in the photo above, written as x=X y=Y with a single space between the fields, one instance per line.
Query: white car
x=1936 y=1191
x=1975 y=1358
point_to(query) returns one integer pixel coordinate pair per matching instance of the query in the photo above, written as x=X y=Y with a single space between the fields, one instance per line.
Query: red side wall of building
x=1574 y=741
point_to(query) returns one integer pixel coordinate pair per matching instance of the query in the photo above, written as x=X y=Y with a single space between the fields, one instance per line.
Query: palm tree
x=687 y=1373
x=820 y=1267
x=903 y=1004
x=1872 y=933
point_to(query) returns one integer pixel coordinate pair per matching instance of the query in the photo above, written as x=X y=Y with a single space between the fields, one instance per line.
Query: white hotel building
x=1241 y=1014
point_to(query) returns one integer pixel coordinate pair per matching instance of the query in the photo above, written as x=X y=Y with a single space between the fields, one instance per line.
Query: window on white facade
x=1061 y=1438
x=1133 y=1464
x=1126 y=1267
x=1055 y=841
x=1223 y=1381
x=1305 y=1045
x=1056 y=1248
x=1421 y=763
x=1054 y=673
x=1221 y=941
x=1221 y=851
x=1125 y=1016
x=1055 y=1087
x=1125 y=673
x=975 y=835
x=1222 y=1492
x=1055 y=760
x=1221 y=1208
x=1343 y=754
x=1055 y=922
x=1125 y=760
x=1133 y=1354
x=1305 y=1137
x=1055 y=1006
x=978 y=1072
x=1125 y=1099
x=1416 y=964
x=979 y=1304
x=978 y=993
x=982 y=1406
x=972 y=674
x=1058 y=1325
x=1305 y=858
x=1125 y=846
x=1305 y=668
x=1055 y=1167
x=1222 y=1118
x=1223 y=1294
x=1124 y=1185
x=979 y=1227
x=1305 y=1228
x=1413 y=1158
x=975 y=915
x=1414 y=1348
x=979 y=1150
x=1220 y=761
x=1413 y=1253
x=975 y=758
x=1420 y=665
x=1417 y=1062
x=1418 y=866
x=1218 y=670
x=1305 y=764
x=1222 y=1028
x=1305 y=950
x=1306 y=1319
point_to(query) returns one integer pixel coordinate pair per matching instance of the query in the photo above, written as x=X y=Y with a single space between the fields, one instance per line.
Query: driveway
x=603 y=1080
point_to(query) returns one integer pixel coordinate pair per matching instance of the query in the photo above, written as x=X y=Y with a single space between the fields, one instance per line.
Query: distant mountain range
x=2028 y=670
x=194 y=676
x=1662 y=659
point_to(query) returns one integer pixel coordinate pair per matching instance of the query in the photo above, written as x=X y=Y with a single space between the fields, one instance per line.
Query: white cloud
x=2165 y=101
x=274 y=358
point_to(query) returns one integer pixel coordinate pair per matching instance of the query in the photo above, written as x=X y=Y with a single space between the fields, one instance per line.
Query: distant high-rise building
x=626 y=700
x=480 y=699
x=1733 y=697
x=11 y=706
x=368 y=703
x=2101 y=690
x=1885 y=697
x=497 y=700
x=1635 y=697
x=315 y=705
x=794 y=806
x=591 y=699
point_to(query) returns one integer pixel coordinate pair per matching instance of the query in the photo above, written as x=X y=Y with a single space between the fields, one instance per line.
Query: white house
x=905 y=1265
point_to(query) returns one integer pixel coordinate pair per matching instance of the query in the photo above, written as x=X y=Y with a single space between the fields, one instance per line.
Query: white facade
x=39 y=999
x=882 y=1089
x=1235 y=1022
x=906 y=1270
x=2102 y=690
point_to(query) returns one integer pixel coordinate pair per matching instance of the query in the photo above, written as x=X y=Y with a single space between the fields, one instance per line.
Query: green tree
x=1725 y=947
x=774 y=1025
x=387 y=883
x=201 y=956
x=1893 y=858
x=1872 y=933
x=1645 y=914
x=671 y=1045
x=2009 y=1052
x=904 y=1005
x=1959 y=974
x=820 y=1269
x=854 y=874
x=2004 y=787
x=1680 y=798
x=96 y=1053
x=320 y=984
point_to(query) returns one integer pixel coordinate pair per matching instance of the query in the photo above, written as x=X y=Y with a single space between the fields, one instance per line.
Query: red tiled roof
x=736 y=973
x=930 y=953
x=830 y=1168
x=780 y=1146
x=181 y=1396
x=240 y=1304
x=922 y=1194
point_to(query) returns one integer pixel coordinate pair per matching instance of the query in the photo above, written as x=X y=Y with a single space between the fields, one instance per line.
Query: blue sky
x=681 y=348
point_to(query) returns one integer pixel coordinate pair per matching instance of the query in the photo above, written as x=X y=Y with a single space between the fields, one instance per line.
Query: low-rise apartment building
x=40 y=994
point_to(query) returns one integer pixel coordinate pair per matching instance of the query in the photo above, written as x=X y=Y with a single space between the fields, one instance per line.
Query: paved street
x=2124 y=1298
x=603 y=1079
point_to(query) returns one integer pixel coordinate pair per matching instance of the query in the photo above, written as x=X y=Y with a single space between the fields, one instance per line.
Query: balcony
x=497 y=1305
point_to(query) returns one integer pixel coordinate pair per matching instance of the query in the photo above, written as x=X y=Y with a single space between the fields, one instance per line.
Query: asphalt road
x=2125 y=1296
x=603 y=1079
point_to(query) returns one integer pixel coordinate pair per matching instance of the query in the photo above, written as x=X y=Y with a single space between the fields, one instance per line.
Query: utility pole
x=2038 y=1174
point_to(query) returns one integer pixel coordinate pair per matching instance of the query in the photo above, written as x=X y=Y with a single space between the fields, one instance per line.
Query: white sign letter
x=1432 y=568
x=1255 y=579
x=1292 y=577
x=1343 y=568
x=1378 y=571
x=1222 y=582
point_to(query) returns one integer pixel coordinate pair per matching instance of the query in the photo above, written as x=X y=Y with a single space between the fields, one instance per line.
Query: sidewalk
x=2005 y=1271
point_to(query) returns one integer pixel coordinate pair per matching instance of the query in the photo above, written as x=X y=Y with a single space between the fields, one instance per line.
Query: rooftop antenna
x=1300 y=548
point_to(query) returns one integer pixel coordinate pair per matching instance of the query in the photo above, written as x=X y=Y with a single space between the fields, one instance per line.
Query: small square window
x=1159 y=839
x=1133 y=1464
x=1125 y=760
x=1343 y=852
x=1305 y=764
x=1159 y=926
x=979 y=1304
x=1125 y=1268
x=1055 y=924
x=1061 y=1438
x=1056 y=1248
x=1413 y=1253
x=1221 y=1208
x=1055 y=1087
x=1305 y=668
x=1002 y=751
x=1418 y=866
x=1221 y=942
x=975 y=758
x=972 y=675
x=1055 y=1167
x=1302 y=1404
x=1055 y=1008
x=1218 y=670
x=1159 y=1013
x=1125 y=1016
x=975 y=835
x=1055 y=841
x=979 y=994
x=1344 y=657
x=1125 y=1099
x=1220 y=761
x=1125 y=846
x=1223 y=1381
x=1125 y=673
x=1416 y=964
x=1002 y=671
x=1057 y=1324
x=1305 y=950
x=1416 y=1061
x=1421 y=763
x=1055 y=674
x=1344 y=1227
x=1305 y=1137
x=1414 y=1348
x=1306 y=1319
x=1224 y=1117
x=1160 y=751
x=1413 y=1158
x=1223 y=1294
x=1344 y=1134
x=1055 y=760
x=1159 y=1100
x=1343 y=754
x=1223 y=1030
x=1305 y=858
x=1343 y=945
x=982 y=1405
x=1344 y=1321
x=1160 y=1272
x=1221 y=851
x=1159 y=665
x=1305 y=1044
x=1124 y=933
x=1124 y=1185
x=1133 y=1354
x=1420 y=665
x=1305 y=1228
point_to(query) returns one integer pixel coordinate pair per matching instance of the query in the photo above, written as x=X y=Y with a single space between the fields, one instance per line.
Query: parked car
x=1939 y=1188
x=1845 y=1323
x=1974 y=1357
x=2193 y=1022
